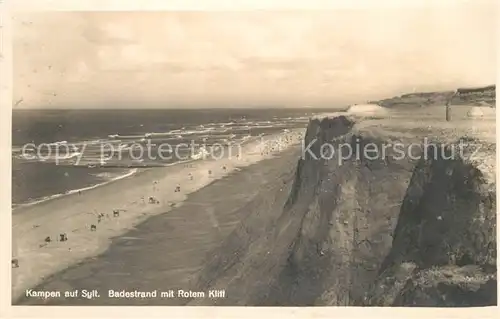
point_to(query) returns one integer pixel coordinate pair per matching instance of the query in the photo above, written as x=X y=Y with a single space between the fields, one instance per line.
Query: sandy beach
x=262 y=230
x=75 y=214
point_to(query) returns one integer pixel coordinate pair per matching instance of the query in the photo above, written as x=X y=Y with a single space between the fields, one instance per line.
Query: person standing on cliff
x=448 y=111
x=448 y=106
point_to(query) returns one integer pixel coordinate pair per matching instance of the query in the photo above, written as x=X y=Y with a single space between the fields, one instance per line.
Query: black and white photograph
x=343 y=157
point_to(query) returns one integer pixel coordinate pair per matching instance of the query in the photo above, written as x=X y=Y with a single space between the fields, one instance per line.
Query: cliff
x=365 y=229
x=444 y=247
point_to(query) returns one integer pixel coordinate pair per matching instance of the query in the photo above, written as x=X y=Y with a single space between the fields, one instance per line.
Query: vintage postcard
x=335 y=158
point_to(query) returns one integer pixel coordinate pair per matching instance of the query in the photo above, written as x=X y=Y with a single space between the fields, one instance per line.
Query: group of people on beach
x=268 y=148
x=275 y=146
x=62 y=237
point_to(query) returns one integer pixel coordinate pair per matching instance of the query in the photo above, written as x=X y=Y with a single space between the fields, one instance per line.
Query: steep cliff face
x=444 y=248
x=358 y=224
x=348 y=204
x=443 y=251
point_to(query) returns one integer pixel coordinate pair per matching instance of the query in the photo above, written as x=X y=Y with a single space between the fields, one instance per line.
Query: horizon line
x=173 y=108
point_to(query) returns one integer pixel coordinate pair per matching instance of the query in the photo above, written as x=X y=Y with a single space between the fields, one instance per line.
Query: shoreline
x=74 y=215
x=132 y=172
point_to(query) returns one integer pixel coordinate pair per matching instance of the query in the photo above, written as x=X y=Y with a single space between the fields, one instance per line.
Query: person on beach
x=15 y=263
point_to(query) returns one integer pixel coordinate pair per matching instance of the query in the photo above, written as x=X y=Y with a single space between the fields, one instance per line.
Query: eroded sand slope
x=369 y=232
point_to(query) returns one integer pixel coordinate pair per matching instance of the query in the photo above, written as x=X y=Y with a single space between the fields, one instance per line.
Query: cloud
x=249 y=56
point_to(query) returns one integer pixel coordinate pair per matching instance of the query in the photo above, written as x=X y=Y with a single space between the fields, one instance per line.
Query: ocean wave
x=97 y=142
x=183 y=133
x=123 y=147
x=71 y=155
x=18 y=149
x=129 y=137
x=45 y=158
x=202 y=152
x=26 y=157
x=232 y=130
x=92 y=161
x=227 y=124
x=58 y=143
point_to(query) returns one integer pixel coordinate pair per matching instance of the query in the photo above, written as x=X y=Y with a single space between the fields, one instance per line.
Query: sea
x=60 y=152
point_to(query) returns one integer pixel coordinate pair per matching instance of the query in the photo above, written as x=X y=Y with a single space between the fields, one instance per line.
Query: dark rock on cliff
x=444 y=247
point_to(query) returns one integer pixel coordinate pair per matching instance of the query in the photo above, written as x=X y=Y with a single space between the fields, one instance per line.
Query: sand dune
x=480 y=111
x=366 y=109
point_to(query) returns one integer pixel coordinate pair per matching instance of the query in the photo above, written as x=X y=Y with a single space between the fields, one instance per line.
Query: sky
x=248 y=58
